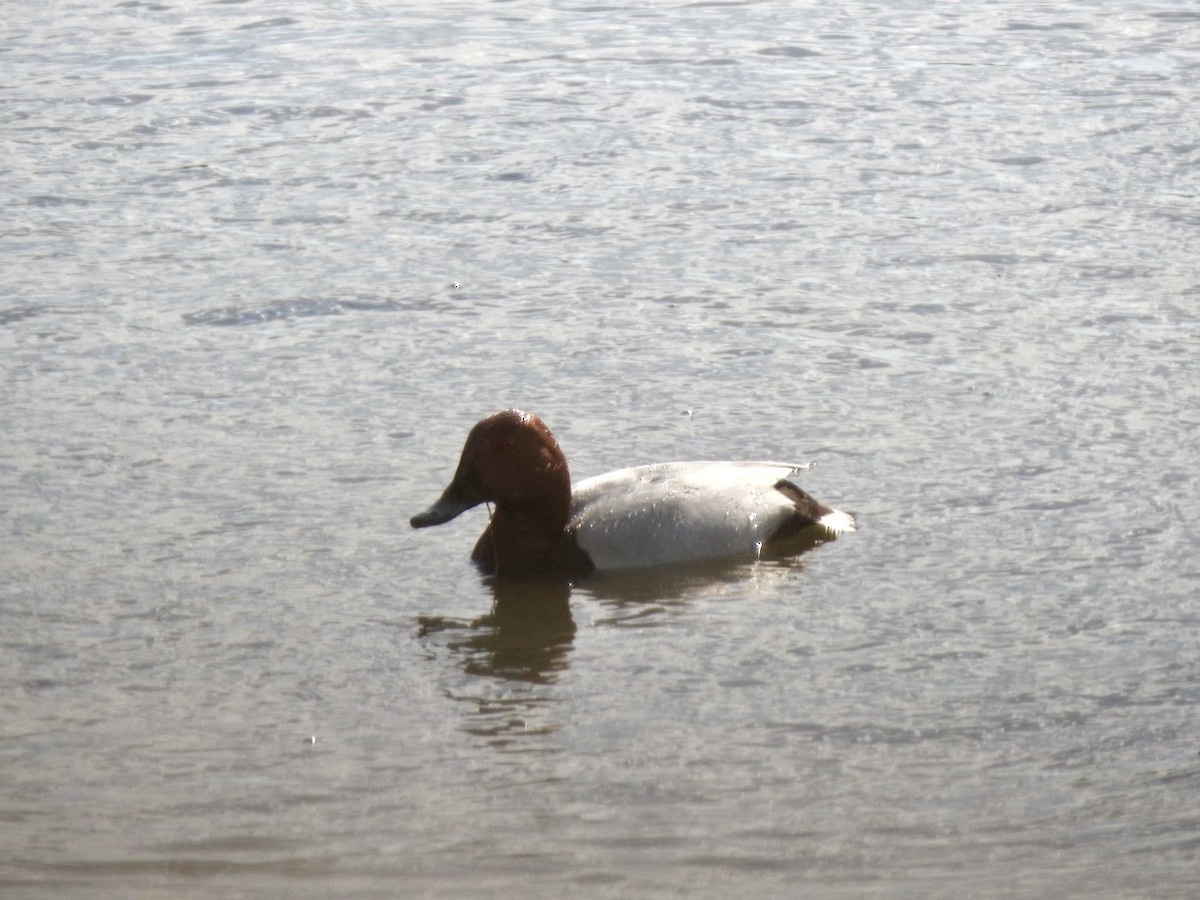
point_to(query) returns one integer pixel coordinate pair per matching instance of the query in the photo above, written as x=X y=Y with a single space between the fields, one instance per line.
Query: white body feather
x=676 y=512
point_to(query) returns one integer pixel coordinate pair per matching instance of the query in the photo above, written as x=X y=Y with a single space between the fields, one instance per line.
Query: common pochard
x=651 y=515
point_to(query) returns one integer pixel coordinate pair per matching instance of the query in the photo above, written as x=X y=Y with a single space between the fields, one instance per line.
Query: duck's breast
x=675 y=512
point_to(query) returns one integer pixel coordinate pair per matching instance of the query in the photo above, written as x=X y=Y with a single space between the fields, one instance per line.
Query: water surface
x=263 y=267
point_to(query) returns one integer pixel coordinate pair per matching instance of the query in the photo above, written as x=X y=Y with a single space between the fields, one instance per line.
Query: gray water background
x=261 y=268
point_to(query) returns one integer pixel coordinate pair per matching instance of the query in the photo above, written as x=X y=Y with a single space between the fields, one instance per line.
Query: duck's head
x=512 y=460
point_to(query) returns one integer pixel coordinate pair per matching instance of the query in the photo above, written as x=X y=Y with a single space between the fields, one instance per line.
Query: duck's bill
x=453 y=502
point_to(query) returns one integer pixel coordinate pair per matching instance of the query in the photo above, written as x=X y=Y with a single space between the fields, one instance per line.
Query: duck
x=659 y=514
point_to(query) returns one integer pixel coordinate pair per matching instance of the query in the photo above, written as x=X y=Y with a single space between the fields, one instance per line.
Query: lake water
x=263 y=266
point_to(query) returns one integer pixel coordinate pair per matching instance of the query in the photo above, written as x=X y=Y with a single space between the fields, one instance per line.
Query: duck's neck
x=526 y=540
x=525 y=537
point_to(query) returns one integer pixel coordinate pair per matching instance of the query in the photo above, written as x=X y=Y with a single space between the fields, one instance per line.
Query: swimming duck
x=659 y=514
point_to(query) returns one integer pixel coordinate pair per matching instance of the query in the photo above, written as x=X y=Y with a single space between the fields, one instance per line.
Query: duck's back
x=677 y=512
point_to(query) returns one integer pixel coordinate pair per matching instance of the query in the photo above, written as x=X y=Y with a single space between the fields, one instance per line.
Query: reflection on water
x=525 y=637
x=519 y=647
x=705 y=578
x=652 y=597
x=523 y=644
x=528 y=633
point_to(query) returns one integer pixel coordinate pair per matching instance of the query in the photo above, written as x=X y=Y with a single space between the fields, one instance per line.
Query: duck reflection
x=648 y=597
x=527 y=635
x=517 y=651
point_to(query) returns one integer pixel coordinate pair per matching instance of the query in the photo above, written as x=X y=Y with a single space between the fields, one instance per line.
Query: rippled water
x=263 y=267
